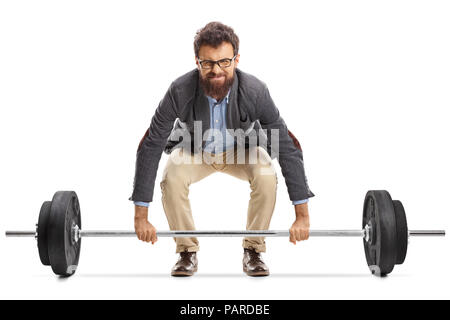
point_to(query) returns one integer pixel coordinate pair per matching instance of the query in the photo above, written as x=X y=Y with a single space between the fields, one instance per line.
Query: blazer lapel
x=201 y=109
x=233 y=114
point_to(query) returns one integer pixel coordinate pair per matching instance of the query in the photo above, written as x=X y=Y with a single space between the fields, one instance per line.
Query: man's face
x=217 y=81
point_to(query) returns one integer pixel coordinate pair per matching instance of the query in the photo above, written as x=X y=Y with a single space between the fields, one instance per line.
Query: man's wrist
x=301 y=211
x=140 y=213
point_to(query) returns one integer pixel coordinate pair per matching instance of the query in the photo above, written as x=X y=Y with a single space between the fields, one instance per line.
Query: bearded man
x=196 y=124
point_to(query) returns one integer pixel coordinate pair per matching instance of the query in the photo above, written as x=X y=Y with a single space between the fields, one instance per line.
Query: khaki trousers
x=253 y=165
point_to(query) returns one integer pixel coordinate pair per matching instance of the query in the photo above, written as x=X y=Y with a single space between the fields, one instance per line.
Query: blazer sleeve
x=290 y=154
x=151 y=147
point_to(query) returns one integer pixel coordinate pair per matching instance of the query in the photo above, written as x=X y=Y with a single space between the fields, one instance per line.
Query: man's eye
x=208 y=64
x=224 y=62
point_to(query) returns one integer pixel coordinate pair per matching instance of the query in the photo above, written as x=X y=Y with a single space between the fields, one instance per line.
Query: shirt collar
x=211 y=99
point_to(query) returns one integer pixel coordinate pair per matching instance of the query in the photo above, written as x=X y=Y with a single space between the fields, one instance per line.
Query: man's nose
x=216 y=69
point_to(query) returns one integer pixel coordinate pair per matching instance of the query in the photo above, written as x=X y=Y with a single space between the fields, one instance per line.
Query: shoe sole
x=183 y=273
x=256 y=273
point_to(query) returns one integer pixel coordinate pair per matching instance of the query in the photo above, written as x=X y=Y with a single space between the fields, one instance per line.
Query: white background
x=364 y=85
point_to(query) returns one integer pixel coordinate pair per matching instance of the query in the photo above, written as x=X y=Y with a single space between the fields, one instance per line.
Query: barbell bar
x=385 y=233
x=219 y=233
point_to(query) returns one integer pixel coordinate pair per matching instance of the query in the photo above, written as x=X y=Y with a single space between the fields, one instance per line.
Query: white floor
x=318 y=269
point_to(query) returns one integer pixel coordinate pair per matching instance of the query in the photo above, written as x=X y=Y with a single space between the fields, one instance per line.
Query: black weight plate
x=42 y=240
x=381 y=252
x=402 y=231
x=63 y=251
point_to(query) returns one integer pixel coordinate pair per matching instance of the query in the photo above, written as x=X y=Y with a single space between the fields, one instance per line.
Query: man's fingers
x=306 y=234
x=291 y=236
x=154 y=238
x=141 y=235
x=298 y=235
x=148 y=236
x=301 y=235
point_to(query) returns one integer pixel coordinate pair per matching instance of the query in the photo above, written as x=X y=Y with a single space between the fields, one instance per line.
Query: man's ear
x=196 y=63
x=236 y=60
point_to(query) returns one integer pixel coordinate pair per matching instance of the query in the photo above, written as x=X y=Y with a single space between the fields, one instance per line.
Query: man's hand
x=300 y=228
x=145 y=231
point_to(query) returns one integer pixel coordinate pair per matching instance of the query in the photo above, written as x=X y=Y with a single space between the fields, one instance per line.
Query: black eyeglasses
x=209 y=64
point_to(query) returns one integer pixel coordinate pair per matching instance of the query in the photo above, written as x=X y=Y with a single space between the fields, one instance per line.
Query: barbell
x=384 y=232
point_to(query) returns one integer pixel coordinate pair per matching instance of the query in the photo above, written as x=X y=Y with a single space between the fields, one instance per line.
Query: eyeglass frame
x=216 y=62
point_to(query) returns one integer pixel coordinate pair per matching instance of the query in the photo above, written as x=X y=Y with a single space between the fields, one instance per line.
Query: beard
x=214 y=89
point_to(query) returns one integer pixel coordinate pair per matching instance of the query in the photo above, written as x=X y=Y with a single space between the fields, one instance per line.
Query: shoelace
x=255 y=255
x=186 y=254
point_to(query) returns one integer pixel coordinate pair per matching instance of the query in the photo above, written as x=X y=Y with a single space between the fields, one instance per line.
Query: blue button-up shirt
x=218 y=111
x=219 y=139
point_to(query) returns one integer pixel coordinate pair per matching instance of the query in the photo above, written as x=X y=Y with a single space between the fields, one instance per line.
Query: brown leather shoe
x=186 y=265
x=253 y=265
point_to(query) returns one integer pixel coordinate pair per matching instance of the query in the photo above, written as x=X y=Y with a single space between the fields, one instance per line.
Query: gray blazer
x=250 y=107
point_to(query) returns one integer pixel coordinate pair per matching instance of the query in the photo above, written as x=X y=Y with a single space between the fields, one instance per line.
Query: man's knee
x=265 y=181
x=264 y=166
x=175 y=177
x=259 y=156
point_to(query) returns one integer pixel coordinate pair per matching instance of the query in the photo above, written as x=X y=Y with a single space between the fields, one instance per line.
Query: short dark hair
x=213 y=34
